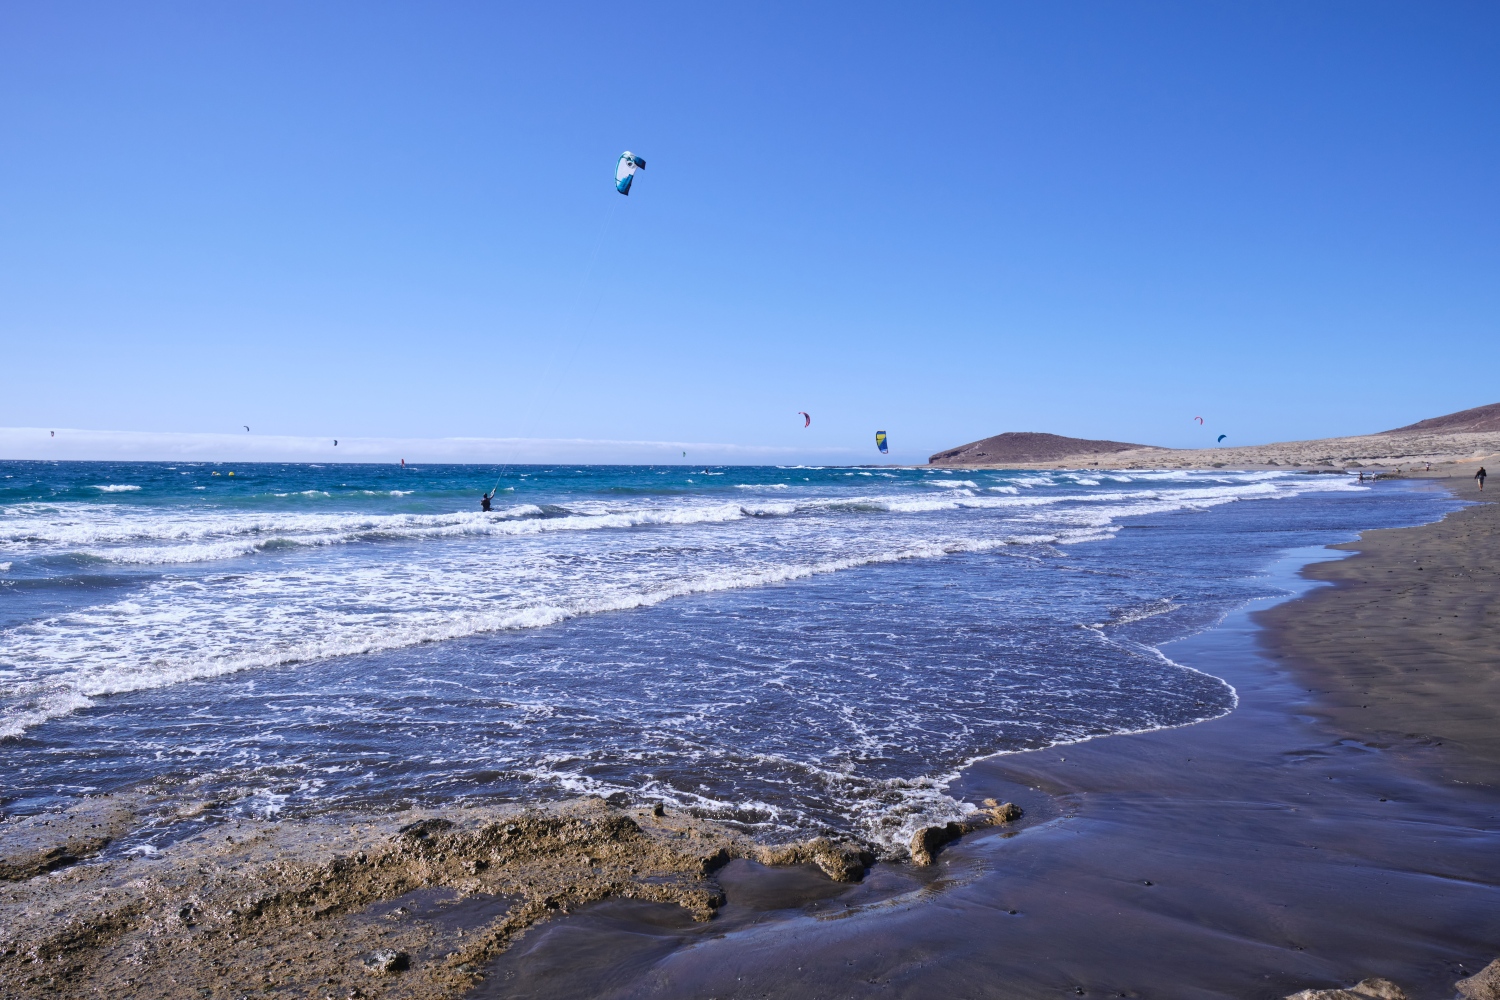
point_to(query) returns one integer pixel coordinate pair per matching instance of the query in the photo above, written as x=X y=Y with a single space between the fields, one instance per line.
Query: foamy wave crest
x=1125 y=616
x=314 y=592
x=117 y=488
x=150 y=539
x=88 y=654
x=156 y=540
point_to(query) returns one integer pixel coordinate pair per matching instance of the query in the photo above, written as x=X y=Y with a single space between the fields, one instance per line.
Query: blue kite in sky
x=625 y=170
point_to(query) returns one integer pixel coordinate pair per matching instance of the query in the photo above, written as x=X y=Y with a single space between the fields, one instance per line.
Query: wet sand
x=1298 y=842
x=1304 y=840
x=1407 y=645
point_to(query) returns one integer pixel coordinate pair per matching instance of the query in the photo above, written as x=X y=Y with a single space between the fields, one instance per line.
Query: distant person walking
x=1480 y=476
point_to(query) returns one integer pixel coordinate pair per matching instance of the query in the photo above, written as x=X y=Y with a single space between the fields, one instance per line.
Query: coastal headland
x=1453 y=444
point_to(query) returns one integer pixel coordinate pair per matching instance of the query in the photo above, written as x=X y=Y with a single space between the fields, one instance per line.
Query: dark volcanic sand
x=1299 y=841
x=1407 y=646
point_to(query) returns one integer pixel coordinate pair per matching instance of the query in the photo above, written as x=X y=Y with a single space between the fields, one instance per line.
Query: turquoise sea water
x=791 y=649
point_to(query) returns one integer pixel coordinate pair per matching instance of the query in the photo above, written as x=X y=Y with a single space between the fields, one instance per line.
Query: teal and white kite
x=625 y=170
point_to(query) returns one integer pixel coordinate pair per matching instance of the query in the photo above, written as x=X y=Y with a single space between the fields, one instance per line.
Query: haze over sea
x=792 y=649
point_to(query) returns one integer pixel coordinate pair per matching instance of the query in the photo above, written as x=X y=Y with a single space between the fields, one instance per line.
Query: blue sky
x=1098 y=219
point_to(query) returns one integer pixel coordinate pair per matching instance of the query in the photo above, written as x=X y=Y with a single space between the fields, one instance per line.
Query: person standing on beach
x=1480 y=476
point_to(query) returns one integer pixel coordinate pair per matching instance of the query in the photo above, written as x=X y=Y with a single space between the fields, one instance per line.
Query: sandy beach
x=1304 y=841
x=990 y=513
x=1339 y=824
x=1403 y=648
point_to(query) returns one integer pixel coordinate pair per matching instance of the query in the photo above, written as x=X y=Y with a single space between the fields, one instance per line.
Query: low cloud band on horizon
x=74 y=444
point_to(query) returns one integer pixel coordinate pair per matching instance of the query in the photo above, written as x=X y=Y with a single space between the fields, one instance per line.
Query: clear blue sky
x=945 y=221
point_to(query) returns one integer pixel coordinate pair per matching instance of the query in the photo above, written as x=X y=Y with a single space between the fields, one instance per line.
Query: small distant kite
x=1200 y=421
x=54 y=433
x=1221 y=438
x=880 y=442
x=806 y=418
x=625 y=169
x=335 y=442
x=247 y=428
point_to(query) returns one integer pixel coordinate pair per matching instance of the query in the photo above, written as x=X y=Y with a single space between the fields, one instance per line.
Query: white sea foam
x=205 y=632
x=118 y=488
x=325 y=584
x=1126 y=616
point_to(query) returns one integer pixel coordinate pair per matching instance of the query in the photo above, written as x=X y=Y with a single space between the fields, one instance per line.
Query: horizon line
x=80 y=444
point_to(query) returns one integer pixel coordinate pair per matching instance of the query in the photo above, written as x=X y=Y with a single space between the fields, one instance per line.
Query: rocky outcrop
x=840 y=862
x=410 y=905
x=403 y=905
x=1373 y=988
x=929 y=840
x=32 y=845
x=1485 y=985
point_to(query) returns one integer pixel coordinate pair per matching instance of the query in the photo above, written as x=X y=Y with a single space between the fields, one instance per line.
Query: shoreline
x=403 y=904
x=1450 y=452
x=1284 y=846
x=618 y=901
x=1410 y=660
x=1448 y=467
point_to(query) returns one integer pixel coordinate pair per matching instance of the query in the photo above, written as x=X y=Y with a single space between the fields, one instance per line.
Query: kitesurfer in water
x=484 y=504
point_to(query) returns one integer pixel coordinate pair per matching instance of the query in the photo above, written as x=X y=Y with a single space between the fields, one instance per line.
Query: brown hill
x=1021 y=446
x=1479 y=420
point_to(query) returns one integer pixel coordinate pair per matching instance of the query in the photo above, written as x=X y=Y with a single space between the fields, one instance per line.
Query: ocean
x=791 y=650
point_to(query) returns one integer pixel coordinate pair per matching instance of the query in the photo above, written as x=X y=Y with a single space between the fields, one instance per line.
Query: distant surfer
x=1480 y=476
x=484 y=503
